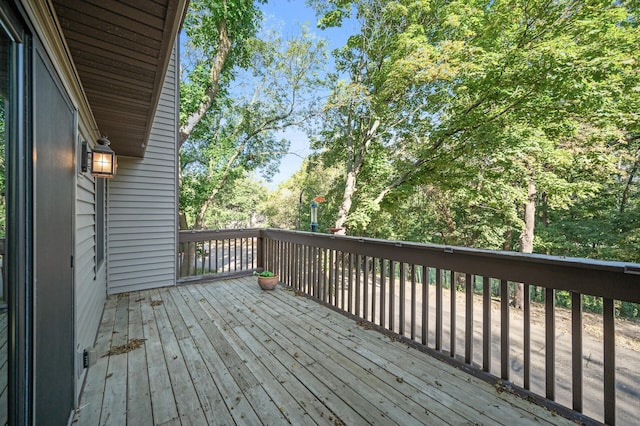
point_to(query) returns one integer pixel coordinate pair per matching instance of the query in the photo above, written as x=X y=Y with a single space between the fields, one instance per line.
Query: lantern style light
x=103 y=160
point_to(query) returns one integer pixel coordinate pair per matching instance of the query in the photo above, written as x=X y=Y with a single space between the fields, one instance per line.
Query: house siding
x=89 y=292
x=90 y=279
x=142 y=204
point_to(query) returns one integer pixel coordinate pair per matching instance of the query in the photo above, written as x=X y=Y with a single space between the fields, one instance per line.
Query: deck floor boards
x=229 y=353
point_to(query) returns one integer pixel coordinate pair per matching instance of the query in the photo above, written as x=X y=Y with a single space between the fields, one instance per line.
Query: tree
x=220 y=35
x=454 y=82
x=239 y=134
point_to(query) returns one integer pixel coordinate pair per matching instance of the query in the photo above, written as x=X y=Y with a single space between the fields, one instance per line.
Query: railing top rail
x=618 y=280
x=218 y=234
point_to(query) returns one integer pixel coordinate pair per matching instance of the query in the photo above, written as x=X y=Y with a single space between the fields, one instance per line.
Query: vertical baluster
x=413 y=301
x=294 y=254
x=209 y=258
x=576 y=350
x=229 y=255
x=307 y=268
x=550 y=344
x=468 y=317
x=392 y=294
x=253 y=251
x=526 y=313
x=235 y=254
x=425 y=305
x=383 y=293
x=486 y=324
x=350 y=283
x=342 y=280
x=439 y=311
x=504 y=329
x=242 y=260
x=203 y=258
x=374 y=290
x=332 y=277
x=216 y=258
x=358 y=283
x=324 y=253
x=312 y=270
x=608 y=319
x=303 y=268
x=195 y=258
x=452 y=326
x=222 y=258
x=365 y=289
x=401 y=308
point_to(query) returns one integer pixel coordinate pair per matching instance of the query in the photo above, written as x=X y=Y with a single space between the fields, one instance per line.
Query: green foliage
x=288 y=207
x=275 y=86
x=265 y=274
x=239 y=206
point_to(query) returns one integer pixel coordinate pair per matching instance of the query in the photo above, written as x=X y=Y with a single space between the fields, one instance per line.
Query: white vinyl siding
x=142 y=202
x=90 y=282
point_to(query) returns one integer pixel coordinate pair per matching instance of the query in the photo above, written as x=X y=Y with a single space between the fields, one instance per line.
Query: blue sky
x=288 y=16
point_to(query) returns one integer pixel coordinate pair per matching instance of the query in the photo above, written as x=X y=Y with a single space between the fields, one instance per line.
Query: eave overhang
x=121 y=51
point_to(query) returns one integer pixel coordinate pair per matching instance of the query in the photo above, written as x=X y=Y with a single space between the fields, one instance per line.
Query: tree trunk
x=347 y=200
x=630 y=179
x=187 y=251
x=526 y=237
x=224 y=47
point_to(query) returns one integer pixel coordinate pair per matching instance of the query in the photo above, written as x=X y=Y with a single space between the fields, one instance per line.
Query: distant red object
x=334 y=230
x=319 y=200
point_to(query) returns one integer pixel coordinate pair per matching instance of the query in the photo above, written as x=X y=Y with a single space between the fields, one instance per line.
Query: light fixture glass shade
x=103 y=160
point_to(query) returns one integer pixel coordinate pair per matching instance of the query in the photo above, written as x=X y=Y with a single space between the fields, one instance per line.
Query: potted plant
x=267 y=280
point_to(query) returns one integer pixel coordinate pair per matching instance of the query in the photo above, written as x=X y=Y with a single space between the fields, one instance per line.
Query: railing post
x=609 y=341
x=260 y=251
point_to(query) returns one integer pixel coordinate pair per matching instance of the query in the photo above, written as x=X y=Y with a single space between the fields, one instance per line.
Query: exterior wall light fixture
x=103 y=160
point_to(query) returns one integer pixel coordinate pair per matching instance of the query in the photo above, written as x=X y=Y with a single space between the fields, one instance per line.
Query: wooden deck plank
x=139 y=410
x=115 y=389
x=319 y=362
x=237 y=364
x=311 y=389
x=322 y=386
x=184 y=393
x=212 y=404
x=457 y=382
x=93 y=392
x=199 y=323
x=163 y=404
x=385 y=390
x=229 y=353
x=288 y=405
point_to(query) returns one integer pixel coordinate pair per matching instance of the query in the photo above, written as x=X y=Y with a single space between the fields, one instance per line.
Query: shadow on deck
x=230 y=353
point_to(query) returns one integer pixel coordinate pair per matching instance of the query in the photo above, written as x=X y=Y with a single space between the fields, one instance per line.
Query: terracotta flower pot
x=268 y=283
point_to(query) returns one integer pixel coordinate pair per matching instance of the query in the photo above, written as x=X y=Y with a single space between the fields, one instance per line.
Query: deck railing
x=217 y=254
x=442 y=300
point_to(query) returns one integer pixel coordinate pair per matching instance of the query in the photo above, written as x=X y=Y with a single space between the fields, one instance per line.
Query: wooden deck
x=229 y=353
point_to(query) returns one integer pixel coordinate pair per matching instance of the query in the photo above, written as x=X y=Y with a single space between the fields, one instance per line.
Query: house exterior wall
x=142 y=203
x=90 y=278
x=89 y=287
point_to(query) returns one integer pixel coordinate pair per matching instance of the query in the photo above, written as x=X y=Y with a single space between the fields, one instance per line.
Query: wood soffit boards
x=121 y=49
